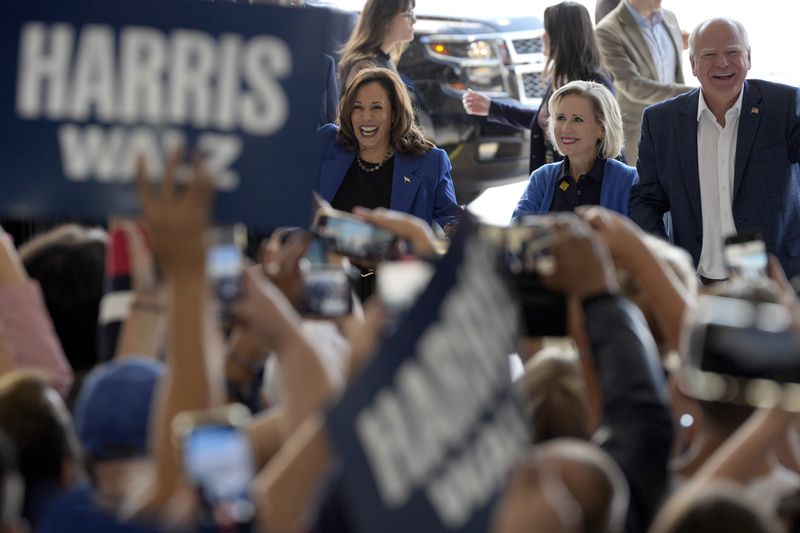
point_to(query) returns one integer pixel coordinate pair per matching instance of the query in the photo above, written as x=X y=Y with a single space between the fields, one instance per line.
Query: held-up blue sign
x=429 y=430
x=88 y=87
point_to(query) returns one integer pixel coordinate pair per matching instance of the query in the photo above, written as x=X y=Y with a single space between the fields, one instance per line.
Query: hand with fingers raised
x=583 y=262
x=177 y=214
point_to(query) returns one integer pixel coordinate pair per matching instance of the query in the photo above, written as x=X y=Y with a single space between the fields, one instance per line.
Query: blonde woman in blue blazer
x=585 y=125
x=376 y=156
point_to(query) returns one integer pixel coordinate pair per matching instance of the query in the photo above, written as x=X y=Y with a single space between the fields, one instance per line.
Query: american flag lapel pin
x=754 y=111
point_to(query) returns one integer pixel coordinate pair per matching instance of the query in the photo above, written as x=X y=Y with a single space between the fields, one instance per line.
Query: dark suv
x=493 y=47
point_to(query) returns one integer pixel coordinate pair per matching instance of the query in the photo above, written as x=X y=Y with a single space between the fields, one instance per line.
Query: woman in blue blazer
x=378 y=156
x=585 y=125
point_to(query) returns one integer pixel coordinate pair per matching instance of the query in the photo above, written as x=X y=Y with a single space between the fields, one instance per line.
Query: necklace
x=363 y=166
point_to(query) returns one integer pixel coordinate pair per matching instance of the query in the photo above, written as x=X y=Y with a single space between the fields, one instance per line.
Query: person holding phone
x=569 y=45
x=376 y=156
x=585 y=124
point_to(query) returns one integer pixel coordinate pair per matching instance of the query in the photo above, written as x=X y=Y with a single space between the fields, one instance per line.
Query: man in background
x=641 y=45
x=723 y=159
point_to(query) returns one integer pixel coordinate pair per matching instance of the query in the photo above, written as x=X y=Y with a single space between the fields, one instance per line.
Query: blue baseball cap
x=112 y=412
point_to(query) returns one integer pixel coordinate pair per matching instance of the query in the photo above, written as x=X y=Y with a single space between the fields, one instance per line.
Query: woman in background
x=379 y=38
x=572 y=54
x=585 y=125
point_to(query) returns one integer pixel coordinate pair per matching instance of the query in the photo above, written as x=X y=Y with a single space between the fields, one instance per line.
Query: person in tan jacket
x=641 y=45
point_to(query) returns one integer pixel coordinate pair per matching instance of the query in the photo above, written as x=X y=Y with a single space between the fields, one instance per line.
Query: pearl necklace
x=365 y=168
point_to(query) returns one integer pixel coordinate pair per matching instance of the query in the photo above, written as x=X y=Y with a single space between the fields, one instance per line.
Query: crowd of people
x=123 y=375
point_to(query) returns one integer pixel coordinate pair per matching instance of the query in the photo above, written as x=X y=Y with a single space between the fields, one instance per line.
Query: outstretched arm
x=177 y=220
x=636 y=427
x=669 y=299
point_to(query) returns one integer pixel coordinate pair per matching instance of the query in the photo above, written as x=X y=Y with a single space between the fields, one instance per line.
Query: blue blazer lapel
x=405 y=183
x=749 y=119
x=686 y=131
x=333 y=171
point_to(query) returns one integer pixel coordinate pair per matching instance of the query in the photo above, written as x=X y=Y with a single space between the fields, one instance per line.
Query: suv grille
x=528 y=46
x=535 y=84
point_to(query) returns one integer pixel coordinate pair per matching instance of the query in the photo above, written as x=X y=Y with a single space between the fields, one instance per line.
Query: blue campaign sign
x=87 y=87
x=429 y=430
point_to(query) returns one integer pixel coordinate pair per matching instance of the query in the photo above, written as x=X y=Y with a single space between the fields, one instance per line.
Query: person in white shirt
x=722 y=159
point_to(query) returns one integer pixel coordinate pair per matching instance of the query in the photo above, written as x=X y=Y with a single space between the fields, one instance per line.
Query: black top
x=570 y=193
x=382 y=59
x=367 y=189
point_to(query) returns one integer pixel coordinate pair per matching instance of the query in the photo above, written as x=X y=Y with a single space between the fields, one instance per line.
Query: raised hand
x=476 y=103
x=583 y=262
x=623 y=238
x=177 y=215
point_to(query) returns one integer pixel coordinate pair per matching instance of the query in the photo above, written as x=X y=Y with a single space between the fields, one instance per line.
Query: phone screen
x=525 y=255
x=219 y=460
x=326 y=291
x=316 y=252
x=355 y=238
x=225 y=266
x=746 y=256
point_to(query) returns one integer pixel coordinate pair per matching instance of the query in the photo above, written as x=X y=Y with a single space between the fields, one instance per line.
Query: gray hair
x=706 y=23
x=606 y=111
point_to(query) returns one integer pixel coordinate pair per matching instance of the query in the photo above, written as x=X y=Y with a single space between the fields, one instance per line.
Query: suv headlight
x=479 y=50
x=480 y=62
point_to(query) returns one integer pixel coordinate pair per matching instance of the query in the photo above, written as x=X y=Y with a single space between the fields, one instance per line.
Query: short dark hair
x=43 y=435
x=69 y=264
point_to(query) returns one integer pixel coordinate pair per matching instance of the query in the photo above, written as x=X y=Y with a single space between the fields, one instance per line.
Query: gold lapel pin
x=406 y=179
x=564 y=185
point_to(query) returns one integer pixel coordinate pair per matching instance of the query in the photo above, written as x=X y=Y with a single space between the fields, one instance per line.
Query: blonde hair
x=606 y=111
x=553 y=394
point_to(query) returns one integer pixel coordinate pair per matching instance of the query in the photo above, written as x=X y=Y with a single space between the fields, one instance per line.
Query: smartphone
x=741 y=351
x=326 y=291
x=225 y=264
x=746 y=255
x=316 y=252
x=525 y=253
x=345 y=234
x=218 y=460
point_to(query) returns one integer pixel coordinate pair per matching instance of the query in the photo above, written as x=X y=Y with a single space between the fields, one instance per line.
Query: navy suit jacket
x=766 y=183
x=421 y=185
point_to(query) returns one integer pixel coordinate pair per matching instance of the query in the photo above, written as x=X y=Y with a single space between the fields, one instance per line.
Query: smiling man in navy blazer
x=723 y=159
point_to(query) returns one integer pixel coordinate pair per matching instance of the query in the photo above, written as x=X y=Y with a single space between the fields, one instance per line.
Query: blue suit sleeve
x=532 y=200
x=445 y=207
x=636 y=427
x=648 y=201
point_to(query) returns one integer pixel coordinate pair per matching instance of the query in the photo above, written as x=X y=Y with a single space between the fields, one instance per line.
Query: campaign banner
x=88 y=87
x=427 y=433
